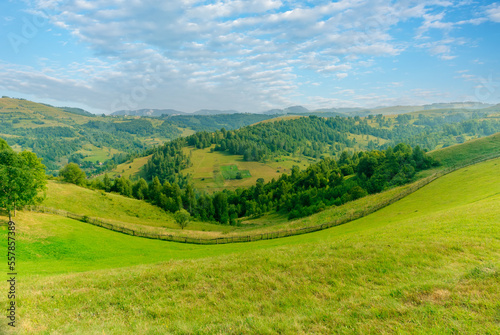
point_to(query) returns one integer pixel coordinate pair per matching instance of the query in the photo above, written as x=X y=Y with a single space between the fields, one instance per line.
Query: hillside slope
x=428 y=264
x=116 y=209
x=470 y=150
x=33 y=115
x=62 y=135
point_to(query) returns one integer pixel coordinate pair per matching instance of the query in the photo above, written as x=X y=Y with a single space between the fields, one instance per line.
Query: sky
x=249 y=55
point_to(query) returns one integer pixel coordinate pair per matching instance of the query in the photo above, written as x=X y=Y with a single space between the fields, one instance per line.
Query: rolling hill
x=98 y=143
x=140 y=216
x=426 y=264
x=470 y=150
x=62 y=135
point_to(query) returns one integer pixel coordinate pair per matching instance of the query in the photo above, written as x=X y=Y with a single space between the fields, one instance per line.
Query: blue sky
x=249 y=55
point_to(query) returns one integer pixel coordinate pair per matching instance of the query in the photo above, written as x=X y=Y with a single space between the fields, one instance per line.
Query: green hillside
x=116 y=209
x=133 y=169
x=29 y=114
x=428 y=264
x=62 y=135
x=469 y=150
x=141 y=216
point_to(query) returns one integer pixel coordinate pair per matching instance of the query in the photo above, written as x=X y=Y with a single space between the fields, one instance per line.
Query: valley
x=258 y=167
x=431 y=257
x=407 y=238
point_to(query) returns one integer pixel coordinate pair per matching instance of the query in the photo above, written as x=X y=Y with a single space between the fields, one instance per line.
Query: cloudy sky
x=249 y=55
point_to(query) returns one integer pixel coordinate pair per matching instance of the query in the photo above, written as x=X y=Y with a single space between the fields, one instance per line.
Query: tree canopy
x=182 y=217
x=22 y=177
x=72 y=173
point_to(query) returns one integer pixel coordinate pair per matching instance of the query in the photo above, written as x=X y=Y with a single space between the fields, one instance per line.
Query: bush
x=72 y=173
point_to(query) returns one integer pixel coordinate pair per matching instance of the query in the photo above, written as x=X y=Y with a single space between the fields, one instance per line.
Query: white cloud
x=239 y=54
x=493 y=12
x=443 y=48
x=345 y=91
x=433 y=21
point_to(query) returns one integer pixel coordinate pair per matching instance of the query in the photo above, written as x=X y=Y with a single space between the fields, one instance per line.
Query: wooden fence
x=264 y=236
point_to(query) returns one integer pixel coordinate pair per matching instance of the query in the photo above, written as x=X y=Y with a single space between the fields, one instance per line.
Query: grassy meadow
x=29 y=114
x=207 y=171
x=428 y=264
x=117 y=209
x=95 y=154
x=470 y=150
x=133 y=169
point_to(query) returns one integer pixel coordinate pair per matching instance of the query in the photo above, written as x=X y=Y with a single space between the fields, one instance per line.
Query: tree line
x=326 y=183
x=317 y=137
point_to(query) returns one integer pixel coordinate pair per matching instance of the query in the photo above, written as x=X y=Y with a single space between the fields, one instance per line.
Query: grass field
x=117 y=209
x=95 y=154
x=133 y=170
x=27 y=111
x=470 y=150
x=208 y=169
x=232 y=171
x=428 y=264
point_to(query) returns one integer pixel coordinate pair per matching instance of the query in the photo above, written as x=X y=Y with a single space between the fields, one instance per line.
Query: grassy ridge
x=114 y=208
x=428 y=264
x=469 y=150
x=133 y=170
x=28 y=111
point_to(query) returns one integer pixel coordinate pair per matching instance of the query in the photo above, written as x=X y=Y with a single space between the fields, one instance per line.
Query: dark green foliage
x=140 y=189
x=22 y=177
x=72 y=173
x=122 y=186
x=216 y=122
x=221 y=213
x=106 y=183
x=4 y=145
x=167 y=162
x=299 y=194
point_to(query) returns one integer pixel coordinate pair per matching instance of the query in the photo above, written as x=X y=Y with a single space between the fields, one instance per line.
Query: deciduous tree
x=22 y=177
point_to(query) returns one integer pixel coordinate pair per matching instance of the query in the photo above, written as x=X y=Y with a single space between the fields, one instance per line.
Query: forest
x=58 y=137
x=302 y=193
x=318 y=137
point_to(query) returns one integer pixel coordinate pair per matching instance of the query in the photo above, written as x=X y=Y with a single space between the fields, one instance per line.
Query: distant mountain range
x=341 y=111
x=148 y=112
x=161 y=112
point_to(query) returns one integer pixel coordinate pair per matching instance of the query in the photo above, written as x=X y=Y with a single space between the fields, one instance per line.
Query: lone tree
x=182 y=218
x=72 y=173
x=22 y=177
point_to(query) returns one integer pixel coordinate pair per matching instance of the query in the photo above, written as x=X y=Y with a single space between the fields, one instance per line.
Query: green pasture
x=208 y=168
x=428 y=264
